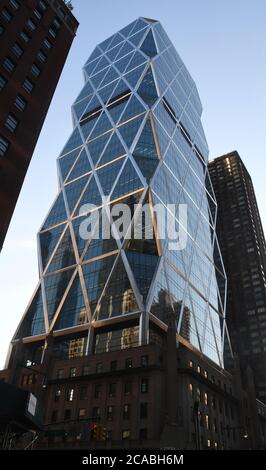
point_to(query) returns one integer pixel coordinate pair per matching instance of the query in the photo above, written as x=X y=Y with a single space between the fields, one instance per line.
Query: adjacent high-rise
x=36 y=36
x=242 y=244
x=122 y=341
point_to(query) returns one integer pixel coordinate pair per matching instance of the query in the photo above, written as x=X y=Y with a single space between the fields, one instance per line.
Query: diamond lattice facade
x=137 y=139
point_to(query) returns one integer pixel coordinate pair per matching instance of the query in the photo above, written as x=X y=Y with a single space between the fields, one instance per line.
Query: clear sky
x=223 y=44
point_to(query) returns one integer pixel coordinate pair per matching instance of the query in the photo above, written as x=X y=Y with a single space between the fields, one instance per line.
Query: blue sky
x=223 y=44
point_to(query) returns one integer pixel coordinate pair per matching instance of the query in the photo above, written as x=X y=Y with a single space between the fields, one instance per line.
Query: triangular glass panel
x=86 y=91
x=111 y=76
x=177 y=164
x=108 y=174
x=139 y=25
x=106 y=92
x=129 y=130
x=134 y=107
x=73 y=311
x=123 y=63
x=102 y=126
x=162 y=137
x=120 y=89
x=102 y=64
x=161 y=303
x=99 y=244
x=96 y=146
x=137 y=38
x=64 y=255
x=126 y=49
x=48 y=242
x=93 y=106
x=143 y=238
x=159 y=41
x=90 y=196
x=65 y=163
x=128 y=182
x=117 y=107
x=113 y=150
x=134 y=76
x=80 y=107
x=83 y=227
x=73 y=191
x=57 y=213
x=112 y=53
x=147 y=89
x=106 y=43
x=55 y=286
x=82 y=166
x=148 y=46
x=33 y=322
x=143 y=267
x=89 y=68
x=96 y=79
x=127 y=29
x=145 y=152
x=95 y=276
x=136 y=60
x=88 y=124
x=73 y=142
x=96 y=53
x=117 y=39
x=119 y=297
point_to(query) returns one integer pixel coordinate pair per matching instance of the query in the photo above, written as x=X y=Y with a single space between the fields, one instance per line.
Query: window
x=67 y=415
x=199 y=370
x=206 y=398
x=70 y=394
x=41 y=57
x=11 y=123
x=4 y=145
x=56 y=23
x=17 y=50
x=57 y=395
x=31 y=25
x=143 y=433
x=143 y=410
x=129 y=363
x=191 y=364
x=25 y=36
x=35 y=70
x=37 y=14
x=83 y=393
x=86 y=370
x=3 y=83
x=144 y=361
x=82 y=412
x=24 y=380
x=52 y=32
x=96 y=412
x=126 y=412
x=144 y=386
x=43 y=5
x=97 y=391
x=60 y=373
x=191 y=390
x=14 y=4
x=9 y=65
x=125 y=434
x=128 y=388
x=47 y=44
x=5 y=13
x=112 y=390
x=99 y=368
x=110 y=413
x=207 y=422
x=73 y=372
x=31 y=379
x=113 y=365
x=28 y=86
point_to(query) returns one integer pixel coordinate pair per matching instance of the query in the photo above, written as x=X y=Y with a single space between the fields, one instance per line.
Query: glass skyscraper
x=137 y=139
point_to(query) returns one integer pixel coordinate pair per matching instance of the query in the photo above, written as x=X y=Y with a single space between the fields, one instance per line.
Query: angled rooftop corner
x=149 y=20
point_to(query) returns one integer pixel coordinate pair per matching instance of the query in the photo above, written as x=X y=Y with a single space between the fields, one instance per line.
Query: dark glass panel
x=64 y=255
x=73 y=191
x=82 y=166
x=33 y=323
x=48 y=242
x=134 y=107
x=143 y=267
x=86 y=91
x=147 y=89
x=90 y=196
x=74 y=142
x=129 y=130
x=73 y=311
x=96 y=146
x=108 y=174
x=145 y=152
x=113 y=150
x=57 y=214
x=67 y=162
x=134 y=76
x=148 y=46
x=128 y=182
x=126 y=49
x=55 y=286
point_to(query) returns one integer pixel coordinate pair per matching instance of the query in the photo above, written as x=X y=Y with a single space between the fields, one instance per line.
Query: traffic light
x=98 y=433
